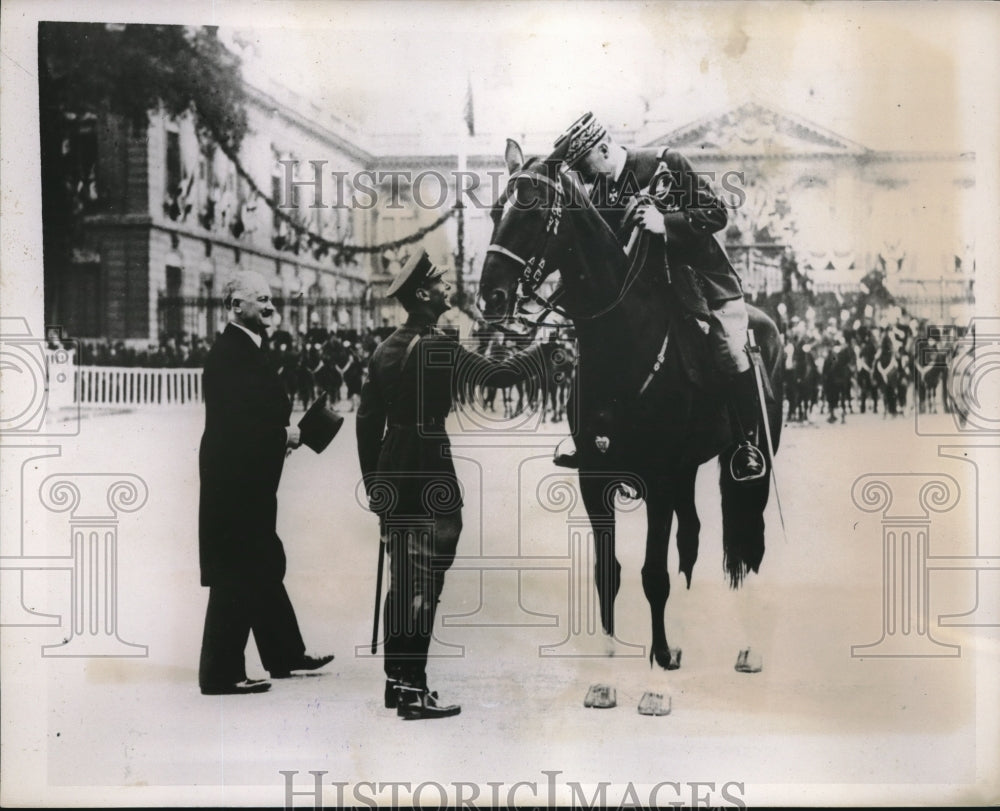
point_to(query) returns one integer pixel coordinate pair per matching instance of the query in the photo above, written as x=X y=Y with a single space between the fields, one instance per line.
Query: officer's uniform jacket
x=692 y=215
x=405 y=454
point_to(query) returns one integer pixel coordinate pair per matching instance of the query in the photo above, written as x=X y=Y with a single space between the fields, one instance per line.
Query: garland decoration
x=343 y=252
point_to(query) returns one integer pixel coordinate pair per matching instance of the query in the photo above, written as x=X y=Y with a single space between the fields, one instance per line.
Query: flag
x=469 y=113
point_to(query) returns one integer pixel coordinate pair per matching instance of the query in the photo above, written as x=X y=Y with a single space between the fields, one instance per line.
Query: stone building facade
x=168 y=219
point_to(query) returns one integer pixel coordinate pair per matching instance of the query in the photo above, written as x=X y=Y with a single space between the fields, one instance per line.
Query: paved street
x=513 y=646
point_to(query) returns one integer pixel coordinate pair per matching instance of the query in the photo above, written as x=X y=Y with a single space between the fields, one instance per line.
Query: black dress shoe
x=238 y=688
x=419 y=704
x=305 y=663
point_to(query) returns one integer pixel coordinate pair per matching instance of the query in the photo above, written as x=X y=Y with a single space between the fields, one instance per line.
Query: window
x=173 y=163
x=173 y=304
x=80 y=300
x=276 y=198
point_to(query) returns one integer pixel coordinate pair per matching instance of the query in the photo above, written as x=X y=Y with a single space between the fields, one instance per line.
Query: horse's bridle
x=533 y=268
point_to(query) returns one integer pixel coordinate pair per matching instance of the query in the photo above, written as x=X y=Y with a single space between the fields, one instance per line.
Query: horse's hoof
x=654 y=704
x=601 y=697
x=671 y=660
x=749 y=661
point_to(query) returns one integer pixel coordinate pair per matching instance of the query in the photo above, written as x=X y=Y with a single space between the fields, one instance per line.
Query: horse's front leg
x=656 y=577
x=598 y=498
x=688 y=523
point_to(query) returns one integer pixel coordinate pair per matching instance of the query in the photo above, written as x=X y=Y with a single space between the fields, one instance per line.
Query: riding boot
x=748 y=462
x=415 y=702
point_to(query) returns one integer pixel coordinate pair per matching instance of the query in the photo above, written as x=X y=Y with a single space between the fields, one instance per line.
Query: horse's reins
x=532 y=269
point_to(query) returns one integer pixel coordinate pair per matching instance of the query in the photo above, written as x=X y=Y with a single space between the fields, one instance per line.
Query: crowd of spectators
x=835 y=365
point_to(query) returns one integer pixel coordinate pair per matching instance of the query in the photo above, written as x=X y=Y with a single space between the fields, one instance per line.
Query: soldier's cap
x=418 y=270
x=583 y=135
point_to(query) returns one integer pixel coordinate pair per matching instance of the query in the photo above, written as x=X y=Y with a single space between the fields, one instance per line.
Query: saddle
x=690 y=316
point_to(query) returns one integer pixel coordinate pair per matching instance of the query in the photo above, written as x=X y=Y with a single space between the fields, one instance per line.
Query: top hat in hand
x=320 y=424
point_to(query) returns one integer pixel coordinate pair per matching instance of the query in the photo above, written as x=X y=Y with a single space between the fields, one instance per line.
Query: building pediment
x=756 y=129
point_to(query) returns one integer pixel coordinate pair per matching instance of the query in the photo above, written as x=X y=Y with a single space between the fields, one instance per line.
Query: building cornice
x=440 y=161
x=269 y=103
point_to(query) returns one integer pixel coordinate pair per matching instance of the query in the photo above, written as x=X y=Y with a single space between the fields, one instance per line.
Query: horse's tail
x=743 y=503
x=743 y=506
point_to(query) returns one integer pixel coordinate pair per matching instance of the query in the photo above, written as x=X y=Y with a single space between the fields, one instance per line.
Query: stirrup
x=753 y=458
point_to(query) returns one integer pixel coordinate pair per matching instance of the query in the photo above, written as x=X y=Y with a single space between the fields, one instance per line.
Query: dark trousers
x=235 y=609
x=419 y=556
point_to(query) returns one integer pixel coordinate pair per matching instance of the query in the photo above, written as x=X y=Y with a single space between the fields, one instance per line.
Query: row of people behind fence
x=334 y=362
x=169 y=353
x=831 y=370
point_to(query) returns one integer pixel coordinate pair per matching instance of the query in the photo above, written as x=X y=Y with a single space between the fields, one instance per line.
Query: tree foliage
x=101 y=71
x=132 y=70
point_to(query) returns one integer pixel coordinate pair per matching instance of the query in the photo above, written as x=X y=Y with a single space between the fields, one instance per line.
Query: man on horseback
x=658 y=191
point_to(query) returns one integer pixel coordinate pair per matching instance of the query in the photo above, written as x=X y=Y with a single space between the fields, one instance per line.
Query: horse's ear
x=513 y=156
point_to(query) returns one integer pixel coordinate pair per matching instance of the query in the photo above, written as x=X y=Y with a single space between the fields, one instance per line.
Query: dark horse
x=662 y=426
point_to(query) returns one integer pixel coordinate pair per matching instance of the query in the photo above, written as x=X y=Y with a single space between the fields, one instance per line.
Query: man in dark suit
x=243 y=450
x=658 y=191
x=409 y=476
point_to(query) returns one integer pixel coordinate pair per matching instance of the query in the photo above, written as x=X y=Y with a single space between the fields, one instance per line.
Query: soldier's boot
x=748 y=463
x=414 y=702
x=391 y=693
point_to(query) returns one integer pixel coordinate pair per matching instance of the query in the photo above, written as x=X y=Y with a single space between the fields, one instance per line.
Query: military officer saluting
x=658 y=190
x=409 y=475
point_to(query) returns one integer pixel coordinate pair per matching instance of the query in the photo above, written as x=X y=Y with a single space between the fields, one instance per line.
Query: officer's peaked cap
x=418 y=270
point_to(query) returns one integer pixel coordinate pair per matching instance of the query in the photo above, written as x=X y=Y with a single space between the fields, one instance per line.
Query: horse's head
x=542 y=223
x=526 y=241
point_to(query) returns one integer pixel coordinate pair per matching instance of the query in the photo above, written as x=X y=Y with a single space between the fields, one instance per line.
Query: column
x=94 y=502
x=905 y=501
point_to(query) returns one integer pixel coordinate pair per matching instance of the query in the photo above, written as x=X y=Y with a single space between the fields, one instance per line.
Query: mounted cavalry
x=653 y=399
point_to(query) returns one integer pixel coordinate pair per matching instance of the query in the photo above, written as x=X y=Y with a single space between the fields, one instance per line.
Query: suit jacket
x=692 y=215
x=240 y=462
x=404 y=451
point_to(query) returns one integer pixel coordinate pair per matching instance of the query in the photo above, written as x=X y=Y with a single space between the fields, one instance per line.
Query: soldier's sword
x=754 y=354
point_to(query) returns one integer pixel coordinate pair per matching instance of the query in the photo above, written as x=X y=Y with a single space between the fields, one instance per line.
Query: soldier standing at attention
x=409 y=476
